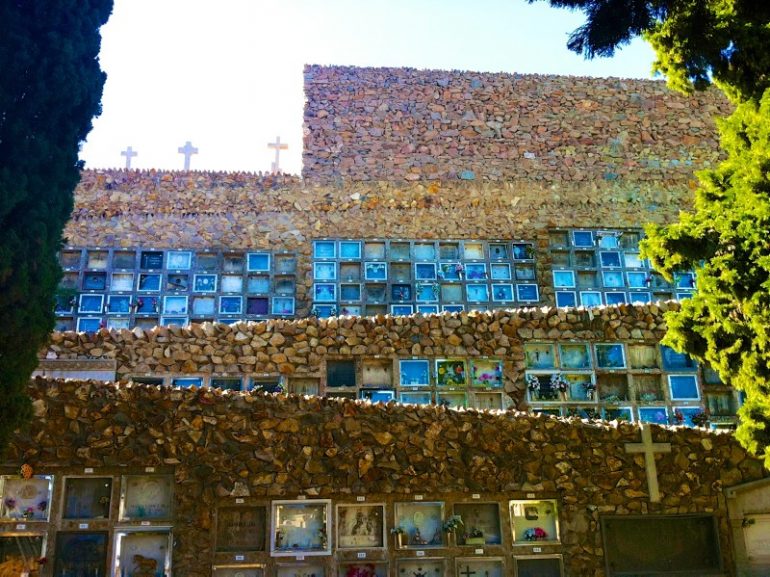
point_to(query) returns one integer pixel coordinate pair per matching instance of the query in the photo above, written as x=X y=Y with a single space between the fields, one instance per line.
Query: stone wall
x=224 y=445
x=300 y=348
x=400 y=124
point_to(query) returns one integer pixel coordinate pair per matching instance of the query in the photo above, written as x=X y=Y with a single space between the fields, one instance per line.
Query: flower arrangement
x=678 y=417
x=535 y=534
x=700 y=419
x=29 y=512
x=533 y=383
x=559 y=383
x=397 y=530
x=360 y=571
x=590 y=388
x=452 y=524
x=10 y=503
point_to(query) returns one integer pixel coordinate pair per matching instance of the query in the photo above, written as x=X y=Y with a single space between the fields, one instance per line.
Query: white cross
x=188 y=150
x=648 y=448
x=278 y=148
x=129 y=153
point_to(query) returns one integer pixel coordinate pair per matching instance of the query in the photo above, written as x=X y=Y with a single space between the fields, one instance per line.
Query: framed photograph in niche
x=204 y=305
x=377 y=395
x=231 y=283
x=538 y=566
x=178 y=260
x=591 y=298
x=360 y=526
x=374 y=250
x=523 y=251
x=87 y=497
x=427 y=292
x=481 y=524
x=534 y=521
x=241 y=529
x=233 y=263
x=480 y=567
x=527 y=293
x=375 y=271
x=230 y=305
x=656 y=415
x=477 y=292
x=300 y=527
x=363 y=569
x=399 y=250
x=259 y=261
x=451 y=373
x=117 y=324
x=487 y=373
x=539 y=355
x=583 y=238
x=324 y=270
x=97 y=259
x=475 y=271
x=414 y=372
x=618 y=414
x=473 y=250
x=140 y=552
x=502 y=292
x=25 y=499
x=350 y=292
x=452 y=308
x=117 y=304
x=421 y=523
x=575 y=356
x=498 y=250
x=612 y=279
x=424 y=251
x=350 y=310
x=610 y=356
x=427 y=309
x=448 y=250
x=147 y=497
x=251 y=570
x=300 y=570
x=450 y=271
x=581 y=386
x=563 y=279
x=683 y=387
x=205 y=283
x=488 y=401
x=424 y=567
x=401 y=310
x=350 y=249
x=81 y=553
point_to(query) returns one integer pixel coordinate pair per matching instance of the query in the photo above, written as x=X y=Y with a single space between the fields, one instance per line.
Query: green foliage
x=695 y=41
x=727 y=240
x=50 y=89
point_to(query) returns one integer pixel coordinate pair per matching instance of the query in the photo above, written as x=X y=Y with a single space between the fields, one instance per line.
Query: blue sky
x=227 y=74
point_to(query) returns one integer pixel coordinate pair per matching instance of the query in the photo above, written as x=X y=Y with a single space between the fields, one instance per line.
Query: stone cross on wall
x=278 y=146
x=188 y=150
x=129 y=153
x=648 y=448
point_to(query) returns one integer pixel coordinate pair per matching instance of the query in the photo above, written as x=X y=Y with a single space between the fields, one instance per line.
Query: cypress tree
x=50 y=90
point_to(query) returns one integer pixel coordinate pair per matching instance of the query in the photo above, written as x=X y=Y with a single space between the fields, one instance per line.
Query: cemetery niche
x=301 y=528
x=360 y=526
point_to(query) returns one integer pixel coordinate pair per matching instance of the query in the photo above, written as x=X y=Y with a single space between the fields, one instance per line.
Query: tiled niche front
x=401 y=277
x=603 y=267
x=146 y=287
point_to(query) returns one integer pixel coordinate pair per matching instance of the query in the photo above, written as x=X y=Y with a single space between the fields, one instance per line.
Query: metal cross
x=188 y=150
x=648 y=448
x=278 y=146
x=467 y=572
x=129 y=153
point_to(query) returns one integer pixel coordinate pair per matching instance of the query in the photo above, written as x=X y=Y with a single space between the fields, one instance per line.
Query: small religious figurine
x=417 y=538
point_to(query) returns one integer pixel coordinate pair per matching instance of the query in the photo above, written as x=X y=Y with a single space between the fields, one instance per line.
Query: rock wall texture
x=119 y=208
x=404 y=124
x=221 y=445
x=299 y=348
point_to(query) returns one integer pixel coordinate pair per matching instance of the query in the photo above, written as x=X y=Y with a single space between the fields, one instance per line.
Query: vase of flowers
x=398 y=536
x=560 y=384
x=533 y=385
x=450 y=527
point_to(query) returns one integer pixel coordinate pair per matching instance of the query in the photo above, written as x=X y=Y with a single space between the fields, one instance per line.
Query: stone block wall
x=222 y=445
x=400 y=124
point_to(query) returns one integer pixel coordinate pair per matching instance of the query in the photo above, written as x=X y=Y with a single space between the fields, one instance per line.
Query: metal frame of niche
x=147 y=286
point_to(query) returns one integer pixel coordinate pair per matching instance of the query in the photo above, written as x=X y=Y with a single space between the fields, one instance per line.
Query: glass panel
x=350 y=292
x=683 y=387
x=658 y=415
x=421 y=523
x=424 y=251
x=399 y=250
x=360 y=526
x=350 y=249
x=231 y=283
x=448 y=251
x=400 y=272
x=585 y=259
x=473 y=250
x=179 y=260
x=324 y=270
x=502 y=292
x=674 y=361
x=124 y=259
x=374 y=250
x=230 y=305
x=375 y=271
x=259 y=261
x=233 y=263
x=205 y=283
x=558 y=238
x=324 y=249
x=534 y=521
x=612 y=388
x=350 y=271
x=610 y=356
x=96 y=281
x=481 y=524
x=425 y=271
x=575 y=356
x=500 y=271
x=486 y=373
x=414 y=372
x=241 y=529
x=450 y=373
x=475 y=271
x=539 y=356
x=97 y=259
x=25 y=499
x=203 y=305
x=80 y=554
x=451 y=292
x=122 y=281
x=648 y=388
x=538 y=567
x=563 y=279
x=527 y=292
x=340 y=373
x=561 y=258
x=477 y=292
x=69 y=259
x=285 y=264
x=566 y=299
x=301 y=527
x=87 y=498
x=582 y=238
x=226 y=383
x=142 y=553
x=283 y=306
x=523 y=251
x=147 y=497
x=206 y=261
x=152 y=260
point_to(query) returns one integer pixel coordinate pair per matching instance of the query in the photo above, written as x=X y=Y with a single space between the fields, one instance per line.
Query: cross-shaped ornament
x=188 y=150
x=278 y=146
x=648 y=448
x=467 y=572
x=129 y=153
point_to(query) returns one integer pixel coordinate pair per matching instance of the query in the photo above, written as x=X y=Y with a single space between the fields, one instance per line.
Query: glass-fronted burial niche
x=141 y=552
x=481 y=524
x=123 y=288
x=533 y=520
x=87 y=497
x=603 y=267
x=425 y=567
x=19 y=553
x=419 y=524
x=360 y=569
x=147 y=498
x=81 y=553
x=301 y=527
x=360 y=526
x=480 y=567
x=25 y=499
x=401 y=277
x=241 y=529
